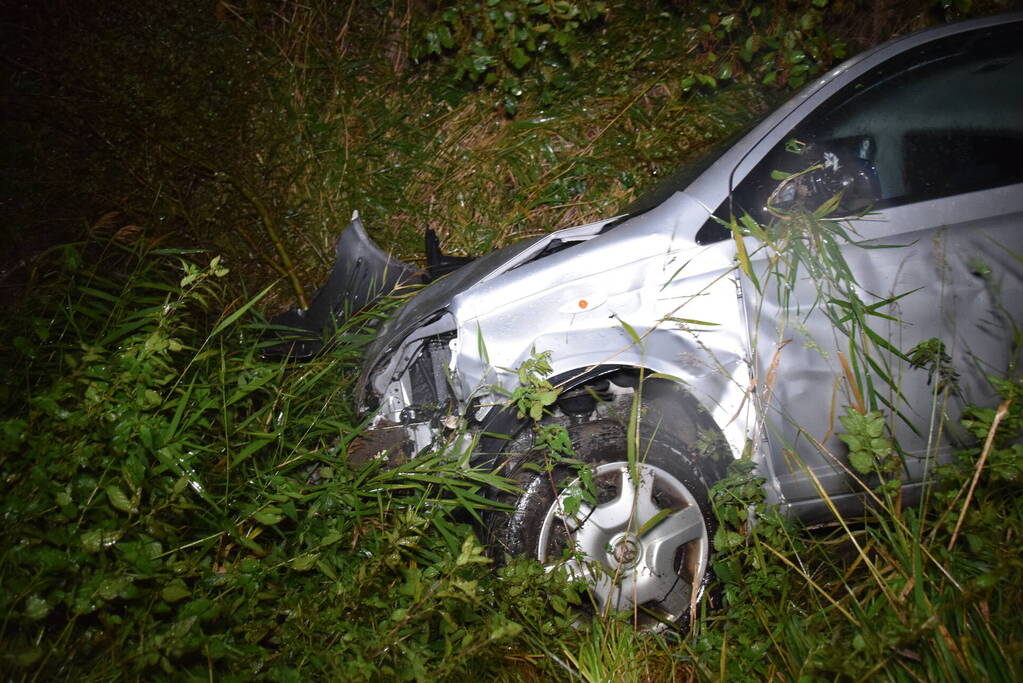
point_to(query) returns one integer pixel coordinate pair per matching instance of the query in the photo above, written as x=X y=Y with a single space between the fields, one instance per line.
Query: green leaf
x=655 y=520
x=36 y=607
x=828 y=207
x=156 y=342
x=253 y=447
x=120 y=501
x=518 y=57
x=266 y=517
x=250 y=544
x=862 y=461
x=691 y=321
x=852 y=441
x=743 y=257
x=304 y=563
x=706 y=79
x=175 y=591
x=471 y=553
x=667 y=376
x=630 y=331
x=725 y=540
x=508 y=629
x=547 y=397
x=98 y=539
x=444 y=37
x=750 y=225
x=224 y=324
x=481 y=346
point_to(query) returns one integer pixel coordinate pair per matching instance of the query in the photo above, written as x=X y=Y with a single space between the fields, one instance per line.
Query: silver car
x=679 y=335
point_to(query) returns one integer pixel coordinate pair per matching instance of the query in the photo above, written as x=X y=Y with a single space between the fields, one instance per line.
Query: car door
x=925 y=152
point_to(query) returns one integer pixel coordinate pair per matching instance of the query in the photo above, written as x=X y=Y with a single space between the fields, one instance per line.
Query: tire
x=645 y=546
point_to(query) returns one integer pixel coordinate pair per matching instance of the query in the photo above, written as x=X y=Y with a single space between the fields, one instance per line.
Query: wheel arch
x=689 y=419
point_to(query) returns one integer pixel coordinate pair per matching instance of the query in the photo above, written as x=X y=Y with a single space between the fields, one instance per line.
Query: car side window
x=941 y=119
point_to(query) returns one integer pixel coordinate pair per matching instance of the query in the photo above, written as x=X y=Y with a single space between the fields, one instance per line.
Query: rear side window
x=942 y=119
x=947 y=162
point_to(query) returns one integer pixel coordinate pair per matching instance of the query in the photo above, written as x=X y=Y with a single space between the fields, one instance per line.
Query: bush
x=507 y=44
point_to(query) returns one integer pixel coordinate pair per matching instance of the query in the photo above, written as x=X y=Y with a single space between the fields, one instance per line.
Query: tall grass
x=175 y=504
x=894 y=593
x=902 y=594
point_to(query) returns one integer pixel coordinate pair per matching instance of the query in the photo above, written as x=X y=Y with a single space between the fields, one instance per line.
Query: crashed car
x=661 y=315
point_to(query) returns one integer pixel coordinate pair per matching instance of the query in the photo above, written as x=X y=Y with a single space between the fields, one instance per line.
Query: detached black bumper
x=363 y=274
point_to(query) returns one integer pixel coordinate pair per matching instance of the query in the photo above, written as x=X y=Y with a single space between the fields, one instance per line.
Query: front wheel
x=640 y=540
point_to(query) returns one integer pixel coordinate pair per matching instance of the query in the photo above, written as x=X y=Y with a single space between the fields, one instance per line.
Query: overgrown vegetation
x=500 y=42
x=175 y=506
x=892 y=594
x=909 y=594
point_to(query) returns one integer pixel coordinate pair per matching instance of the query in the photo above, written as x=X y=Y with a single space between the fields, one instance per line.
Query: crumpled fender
x=363 y=273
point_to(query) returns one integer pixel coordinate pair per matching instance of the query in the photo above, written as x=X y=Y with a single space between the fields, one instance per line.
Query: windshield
x=680 y=178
